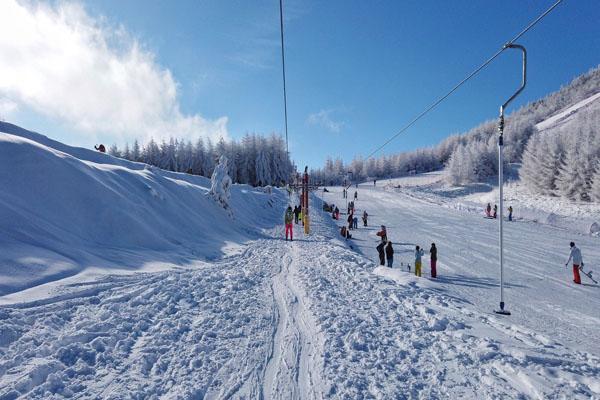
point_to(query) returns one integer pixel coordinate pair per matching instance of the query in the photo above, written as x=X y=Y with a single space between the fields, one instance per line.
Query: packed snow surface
x=172 y=298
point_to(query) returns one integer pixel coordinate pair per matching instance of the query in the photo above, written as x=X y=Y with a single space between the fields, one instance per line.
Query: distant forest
x=254 y=160
x=472 y=156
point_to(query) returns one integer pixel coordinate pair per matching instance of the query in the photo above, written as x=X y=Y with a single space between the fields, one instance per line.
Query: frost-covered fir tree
x=596 y=183
x=571 y=182
x=220 y=184
x=263 y=173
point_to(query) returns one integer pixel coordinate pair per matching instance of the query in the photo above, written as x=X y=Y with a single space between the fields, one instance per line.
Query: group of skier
x=386 y=252
x=494 y=214
x=385 y=248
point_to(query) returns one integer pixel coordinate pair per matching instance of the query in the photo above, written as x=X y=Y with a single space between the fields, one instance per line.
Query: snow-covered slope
x=66 y=210
x=565 y=115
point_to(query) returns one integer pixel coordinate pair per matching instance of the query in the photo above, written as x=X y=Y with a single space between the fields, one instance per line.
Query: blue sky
x=357 y=70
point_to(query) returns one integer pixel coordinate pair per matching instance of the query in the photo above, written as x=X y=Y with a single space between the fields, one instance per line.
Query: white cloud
x=7 y=108
x=64 y=64
x=323 y=119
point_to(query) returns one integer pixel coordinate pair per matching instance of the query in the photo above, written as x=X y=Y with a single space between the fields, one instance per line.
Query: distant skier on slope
x=488 y=211
x=289 y=227
x=350 y=220
x=354 y=222
x=381 y=251
x=575 y=255
x=365 y=216
x=296 y=214
x=337 y=213
x=100 y=148
x=510 y=211
x=345 y=232
x=495 y=211
x=433 y=257
x=419 y=252
x=389 y=254
x=382 y=234
x=355 y=195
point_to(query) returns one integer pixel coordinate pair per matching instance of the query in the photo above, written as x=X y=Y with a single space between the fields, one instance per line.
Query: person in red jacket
x=382 y=234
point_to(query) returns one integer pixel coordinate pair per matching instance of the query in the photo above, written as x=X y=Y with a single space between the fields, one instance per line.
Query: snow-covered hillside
x=227 y=309
x=67 y=210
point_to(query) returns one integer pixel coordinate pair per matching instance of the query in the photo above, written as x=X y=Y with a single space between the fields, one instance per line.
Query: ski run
x=246 y=314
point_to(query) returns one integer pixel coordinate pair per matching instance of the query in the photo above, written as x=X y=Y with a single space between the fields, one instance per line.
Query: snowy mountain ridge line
x=66 y=211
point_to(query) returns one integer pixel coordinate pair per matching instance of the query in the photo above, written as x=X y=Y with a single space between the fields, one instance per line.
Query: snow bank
x=64 y=210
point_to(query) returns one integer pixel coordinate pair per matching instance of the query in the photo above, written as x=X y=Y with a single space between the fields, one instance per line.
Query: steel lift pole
x=501 y=170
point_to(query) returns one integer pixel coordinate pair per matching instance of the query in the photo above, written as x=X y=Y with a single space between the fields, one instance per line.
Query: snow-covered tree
x=220 y=184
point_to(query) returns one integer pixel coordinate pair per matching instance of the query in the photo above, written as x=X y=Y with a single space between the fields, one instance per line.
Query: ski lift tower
x=501 y=170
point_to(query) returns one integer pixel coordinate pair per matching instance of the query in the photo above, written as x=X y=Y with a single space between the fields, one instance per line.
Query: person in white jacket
x=575 y=255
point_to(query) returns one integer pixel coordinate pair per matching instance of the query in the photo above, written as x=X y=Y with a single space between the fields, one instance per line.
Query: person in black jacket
x=381 y=251
x=296 y=213
x=433 y=257
x=389 y=254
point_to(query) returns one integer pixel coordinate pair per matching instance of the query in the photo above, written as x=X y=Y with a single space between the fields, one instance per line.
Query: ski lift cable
x=283 y=69
x=462 y=82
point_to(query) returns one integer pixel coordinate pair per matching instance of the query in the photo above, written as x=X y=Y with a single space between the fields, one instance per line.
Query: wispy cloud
x=63 y=63
x=324 y=119
x=7 y=108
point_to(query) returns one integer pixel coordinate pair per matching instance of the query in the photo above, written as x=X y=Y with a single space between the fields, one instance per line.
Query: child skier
x=288 y=218
x=418 y=254
x=433 y=257
x=575 y=255
x=345 y=233
x=389 y=254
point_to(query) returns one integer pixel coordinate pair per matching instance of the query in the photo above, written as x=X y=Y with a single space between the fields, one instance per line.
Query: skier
x=296 y=213
x=365 y=216
x=383 y=234
x=575 y=254
x=100 y=148
x=337 y=213
x=355 y=195
x=345 y=233
x=510 y=211
x=433 y=256
x=381 y=251
x=350 y=221
x=389 y=253
x=355 y=222
x=374 y=182
x=418 y=254
x=495 y=210
x=288 y=218
x=488 y=211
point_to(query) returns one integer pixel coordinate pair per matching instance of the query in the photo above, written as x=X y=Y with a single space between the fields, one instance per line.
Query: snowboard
x=588 y=274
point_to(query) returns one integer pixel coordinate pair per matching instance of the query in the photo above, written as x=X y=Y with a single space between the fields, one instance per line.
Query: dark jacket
x=433 y=253
x=389 y=251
